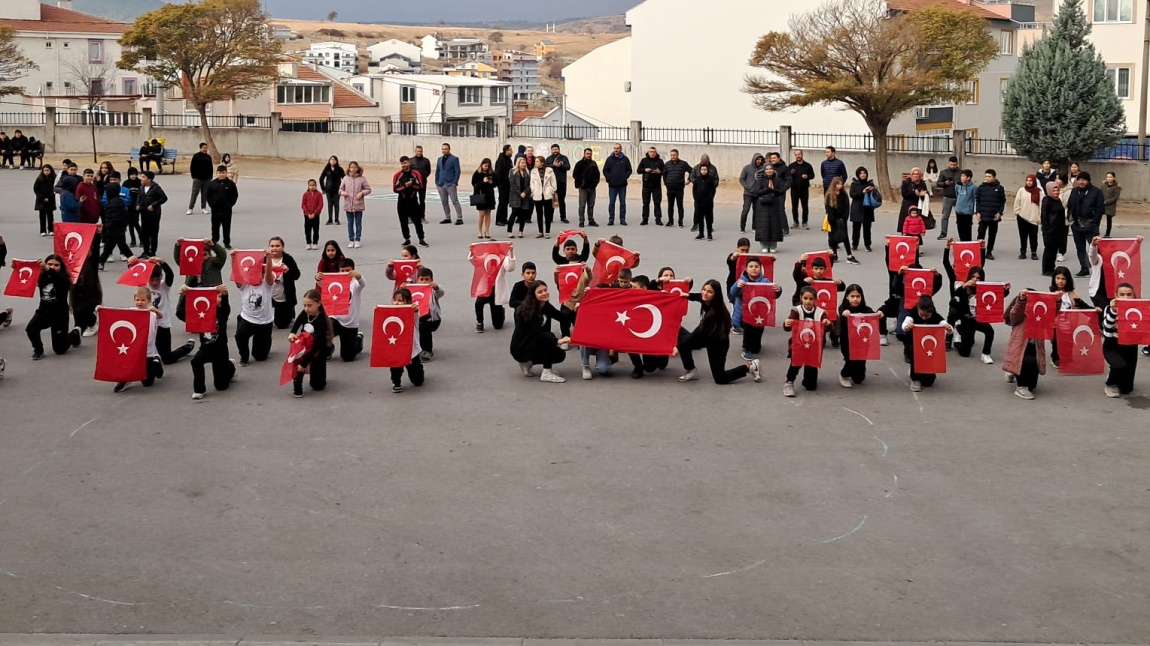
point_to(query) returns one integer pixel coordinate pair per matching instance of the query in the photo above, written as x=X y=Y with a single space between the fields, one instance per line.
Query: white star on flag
x=1085 y=351
x=622 y=318
x=930 y=353
x=1121 y=274
x=759 y=321
x=988 y=308
x=392 y=340
x=807 y=345
x=1133 y=326
x=23 y=281
x=123 y=349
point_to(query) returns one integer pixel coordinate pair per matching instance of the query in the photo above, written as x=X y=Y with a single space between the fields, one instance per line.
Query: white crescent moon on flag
x=332 y=285
x=387 y=321
x=993 y=297
x=76 y=236
x=759 y=299
x=140 y=265
x=24 y=269
x=902 y=244
x=805 y=332
x=122 y=325
x=569 y=277
x=656 y=322
x=928 y=337
x=245 y=259
x=1132 y=310
x=964 y=253
x=819 y=294
x=620 y=259
x=486 y=261
x=1082 y=328
x=417 y=295
x=1041 y=304
x=1119 y=254
x=196 y=304
x=867 y=326
x=191 y=252
x=916 y=280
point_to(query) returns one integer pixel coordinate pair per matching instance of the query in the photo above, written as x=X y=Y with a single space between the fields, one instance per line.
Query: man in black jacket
x=560 y=165
x=423 y=166
x=801 y=174
x=18 y=144
x=116 y=219
x=616 y=170
x=150 y=205
x=586 y=179
x=990 y=205
x=201 y=171
x=676 y=174
x=947 y=180
x=503 y=167
x=1084 y=209
x=222 y=196
x=651 y=170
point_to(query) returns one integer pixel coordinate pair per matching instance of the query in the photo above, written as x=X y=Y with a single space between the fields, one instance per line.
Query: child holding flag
x=854 y=302
x=143 y=301
x=312 y=320
x=806 y=310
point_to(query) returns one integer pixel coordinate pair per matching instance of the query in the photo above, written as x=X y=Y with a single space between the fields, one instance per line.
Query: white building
x=391 y=51
x=432 y=104
x=599 y=84
x=339 y=56
x=1118 y=33
x=456 y=49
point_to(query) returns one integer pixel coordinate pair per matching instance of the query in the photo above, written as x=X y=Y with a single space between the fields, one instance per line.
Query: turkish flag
x=138 y=274
x=903 y=251
x=248 y=267
x=335 y=290
x=767 y=260
x=966 y=255
x=678 y=287
x=487 y=260
x=826 y=256
x=24 y=279
x=200 y=310
x=404 y=271
x=991 y=299
x=917 y=283
x=826 y=297
x=299 y=347
x=122 y=344
x=807 y=343
x=191 y=257
x=1080 y=343
x=861 y=337
x=929 y=349
x=393 y=336
x=421 y=295
x=610 y=260
x=567 y=277
x=72 y=242
x=759 y=304
x=1121 y=263
x=1041 y=311
x=642 y=321
x=1133 y=321
x=566 y=235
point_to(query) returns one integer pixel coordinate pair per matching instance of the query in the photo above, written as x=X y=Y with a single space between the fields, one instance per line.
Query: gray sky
x=432 y=11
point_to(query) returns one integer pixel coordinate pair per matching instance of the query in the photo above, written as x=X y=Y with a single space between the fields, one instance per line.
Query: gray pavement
x=488 y=505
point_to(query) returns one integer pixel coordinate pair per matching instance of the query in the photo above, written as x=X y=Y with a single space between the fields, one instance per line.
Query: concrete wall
x=596 y=84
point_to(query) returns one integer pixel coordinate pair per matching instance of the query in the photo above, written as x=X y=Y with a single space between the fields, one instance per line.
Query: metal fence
x=1129 y=150
x=192 y=120
x=481 y=129
x=99 y=118
x=1000 y=147
x=570 y=131
x=22 y=119
x=710 y=136
x=865 y=142
x=341 y=126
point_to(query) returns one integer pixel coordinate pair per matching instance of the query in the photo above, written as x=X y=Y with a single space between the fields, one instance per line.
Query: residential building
x=544 y=49
x=307 y=91
x=473 y=69
x=579 y=126
x=521 y=70
x=456 y=49
x=282 y=32
x=451 y=105
x=338 y=56
x=392 y=52
x=599 y=84
x=1118 y=33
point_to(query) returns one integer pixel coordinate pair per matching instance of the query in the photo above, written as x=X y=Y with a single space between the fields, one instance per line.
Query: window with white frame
x=1006 y=42
x=1002 y=85
x=498 y=95
x=286 y=94
x=95 y=51
x=407 y=94
x=130 y=86
x=972 y=91
x=1113 y=10
x=456 y=128
x=1120 y=77
x=470 y=96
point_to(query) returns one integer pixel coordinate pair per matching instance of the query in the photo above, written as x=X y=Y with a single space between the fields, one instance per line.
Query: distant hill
x=122 y=10
x=592 y=25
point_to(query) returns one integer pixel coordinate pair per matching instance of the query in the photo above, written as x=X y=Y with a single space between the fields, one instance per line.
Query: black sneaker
x=119 y=388
x=479 y=328
x=592 y=223
x=637 y=373
x=622 y=223
x=643 y=223
x=406 y=243
x=1083 y=273
x=445 y=221
x=671 y=224
x=564 y=220
x=74 y=337
x=297 y=388
x=397 y=389
x=459 y=222
x=37 y=356
x=989 y=256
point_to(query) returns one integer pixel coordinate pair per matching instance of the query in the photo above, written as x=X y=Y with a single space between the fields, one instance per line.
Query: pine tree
x=1060 y=105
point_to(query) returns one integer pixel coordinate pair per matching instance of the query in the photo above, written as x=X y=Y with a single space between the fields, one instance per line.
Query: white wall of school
x=596 y=84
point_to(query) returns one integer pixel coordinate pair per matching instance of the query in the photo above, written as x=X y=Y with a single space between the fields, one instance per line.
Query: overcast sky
x=430 y=12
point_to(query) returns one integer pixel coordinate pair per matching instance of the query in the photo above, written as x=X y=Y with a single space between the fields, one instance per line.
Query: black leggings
x=149 y=234
x=964 y=222
x=1027 y=376
x=164 y=346
x=316 y=373
x=222 y=222
x=58 y=323
x=332 y=207
x=426 y=327
x=1027 y=232
x=350 y=345
x=716 y=358
x=497 y=312
x=284 y=314
x=752 y=338
x=520 y=216
x=1123 y=362
x=223 y=369
x=544 y=214
x=988 y=229
x=47 y=221
x=966 y=329
x=260 y=337
x=414 y=373
x=311 y=230
x=864 y=229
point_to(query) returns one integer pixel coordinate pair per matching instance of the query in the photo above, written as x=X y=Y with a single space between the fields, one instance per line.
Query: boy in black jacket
x=990 y=204
x=117 y=200
x=222 y=196
x=213 y=347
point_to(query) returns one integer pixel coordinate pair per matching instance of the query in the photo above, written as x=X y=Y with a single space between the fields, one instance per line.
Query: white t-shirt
x=256 y=303
x=351 y=319
x=278 y=270
x=161 y=300
x=152 y=325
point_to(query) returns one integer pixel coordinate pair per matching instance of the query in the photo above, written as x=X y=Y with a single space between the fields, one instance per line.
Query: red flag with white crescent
x=678 y=287
x=1121 y=263
x=191 y=257
x=1041 y=314
x=72 y=242
x=767 y=260
x=24 y=279
x=902 y=252
x=404 y=271
x=248 y=267
x=929 y=349
x=299 y=347
x=610 y=260
x=122 y=344
x=759 y=304
x=966 y=255
x=990 y=298
x=567 y=277
x=393 y=336
x=862 y=337
x=807 y=343
x=335 y=291
x=421 y=295
x=826 y=256
x=1080 y=343
x=487 y=259
x=827 y=297
x=642 y=321
x=564 y=236
x=138 y=274
x=917 y=283
x=1133 y=321
x=200 y=310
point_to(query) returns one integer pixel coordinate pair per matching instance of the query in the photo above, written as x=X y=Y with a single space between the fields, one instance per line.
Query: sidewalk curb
x=44 y=639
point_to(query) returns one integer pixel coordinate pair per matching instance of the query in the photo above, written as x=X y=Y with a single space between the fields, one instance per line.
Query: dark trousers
x=155 y=370
x=47 y=221
x=223 y=369
x=674 y=197
x=350 y=343
x=648 y=363
x=705 y=219
x=544 y=214
x=748 y=204
x=520 y=216
x=501 y=208
x=58 y=323
x=752 y=338
x=85 y=316
x=716 y=358
x=149 y=234
x=259 y=336
x=616 y=193
x=964 y=222
x=332 y=207
x=863 y=228
x=316 y=374
x=1027 y=232
x=854 y=370
x=414 y=373
x=199 y=188
x=310 y=229
x=561 y=193
x=284 y=314
x=115 y=238
x=1027 y=377
x=926 y=380
x=810 y=376
x=652 y=193
x=1109 y=225
x=423 y=202
x=1123 y=362
x=164 y=346
x=222 y=222
x=800 y=197
x=988 y=229
x=409 y=216
x=497 y=312
x=1050 y=244
x=586 y=201
x=134 y=229
x=1082 y=238
x=966 y=328
x=426 y=328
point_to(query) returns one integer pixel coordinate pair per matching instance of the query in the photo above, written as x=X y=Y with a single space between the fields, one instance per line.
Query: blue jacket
x=447 y=171
x=832 y=168
x=964 y=198
x=616 y=170
x=737 y=297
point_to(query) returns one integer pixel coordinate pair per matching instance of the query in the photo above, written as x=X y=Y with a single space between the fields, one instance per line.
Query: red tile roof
x=56 y=19
x=342 y=96
x=911 y=5
x=518 y=117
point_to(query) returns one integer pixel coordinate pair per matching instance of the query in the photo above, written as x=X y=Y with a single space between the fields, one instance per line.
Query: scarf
x=1035 y=191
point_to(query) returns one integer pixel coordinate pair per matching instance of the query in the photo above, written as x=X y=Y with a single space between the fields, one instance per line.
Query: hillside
x=123 y=10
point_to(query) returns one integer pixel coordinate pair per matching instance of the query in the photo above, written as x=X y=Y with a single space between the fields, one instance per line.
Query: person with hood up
x=66 y=188
x=784 y=173
x=769 y=220
x=746 y=180
x=1028 y=213
x=862 y=216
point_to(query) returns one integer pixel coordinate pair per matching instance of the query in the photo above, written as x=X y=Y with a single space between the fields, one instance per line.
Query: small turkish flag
x=421 y=295
x=335 y=290
x=807 y=343
x=393 y=336
x=916 y=283
x=826 y=256
x=861 y=336
x=610 y=260
x=767 y=260
x=564 y=236
x=567 y=277
x=929 y=349
x=1133 y=321
x=641 y=321
x=1121 y=263
x=487 y=259
x=299 y=347
x=903 y=251
x=966 y=256
x=759 y=304
x=191 y=257
x=200 y=305
x=138 y=274
x=679 y=287
x=122 y=344
x=24 y=279
x=826 y=297
x=1041 y=313
x=991 y=299
x=1080 y=343
x=72 y=242
x=404 y=271
x=248 y=267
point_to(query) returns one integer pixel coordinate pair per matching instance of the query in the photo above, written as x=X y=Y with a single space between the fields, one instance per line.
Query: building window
x=96 y=87
x=470 y=96
x=1006 y=42
x=1120 y=77
x=972 y=92
x=95 y=51
x=130 y=87
x=456 y=128
x=1113 y=10
x=286 y=94
x=498 y=95
x=407 y=94
x=1002 y=85
x=47 y=44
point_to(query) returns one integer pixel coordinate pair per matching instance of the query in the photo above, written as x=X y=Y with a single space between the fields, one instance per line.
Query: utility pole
x=1144 y=94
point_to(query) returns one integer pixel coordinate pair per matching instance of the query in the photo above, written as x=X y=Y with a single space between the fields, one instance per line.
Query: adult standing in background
x=1046 y=174
x=747 y=181
x=150 y=204
x=947 y=180
x=329 y=181
x=862 y=216
x=913 y=191
x=447 y=173
x=560 y=165
x=222 y=197
x=1111 y=191
x=930 y=176
x=503 y=166
x=1028 y=214
x=586 y=177
x=1084 y=210
x=676 y=174
x=832 y=167
x=801 y=175
x=202 y=169
x=422 y=165
x=616 y=170
x=651 y=170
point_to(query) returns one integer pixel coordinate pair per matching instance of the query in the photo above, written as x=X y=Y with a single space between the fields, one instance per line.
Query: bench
x=169 y=159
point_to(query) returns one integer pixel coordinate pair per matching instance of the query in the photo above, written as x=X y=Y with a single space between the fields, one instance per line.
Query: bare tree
x=332 y=15
x=94 y=80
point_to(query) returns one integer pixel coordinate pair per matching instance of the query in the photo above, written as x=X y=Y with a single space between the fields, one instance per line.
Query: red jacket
x=312 y=203
x=89 y=208
x=913 y=226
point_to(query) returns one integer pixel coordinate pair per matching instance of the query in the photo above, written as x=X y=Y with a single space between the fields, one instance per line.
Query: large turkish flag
x=200 y=310
x=1041 y=313
x=122 y=344
x=487 y=260
x=393 y=336
x=71 y=242
x=759 y=304
x=1080 y=343
x=862 y=337
x=929 y=349
x=610 y=260
x=24 y=279
x=642 y=321
x=1121 y=263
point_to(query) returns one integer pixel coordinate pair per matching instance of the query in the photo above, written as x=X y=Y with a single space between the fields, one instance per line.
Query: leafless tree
x=94 y=81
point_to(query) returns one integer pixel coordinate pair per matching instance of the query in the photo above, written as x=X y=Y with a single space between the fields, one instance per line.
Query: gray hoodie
x=747 y=177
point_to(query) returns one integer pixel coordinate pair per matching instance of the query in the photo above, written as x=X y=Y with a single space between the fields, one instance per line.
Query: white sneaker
x=788 y=389
x=1060 y=258
x=916 y=386
x=884 y=341
x=123 y=258
x=565 y=346
x=1009 y=378
x=188 y=212
x=1112 y=391
x=551 y=377
x=1023 y=393
x=197 y=396
x=350 y=244
x=690 y=375
x=89 y=332
x=987 y=359
x=756 y=373
x=204 y=211
x=587 y=373
x=845 y=382
x=525 y=367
